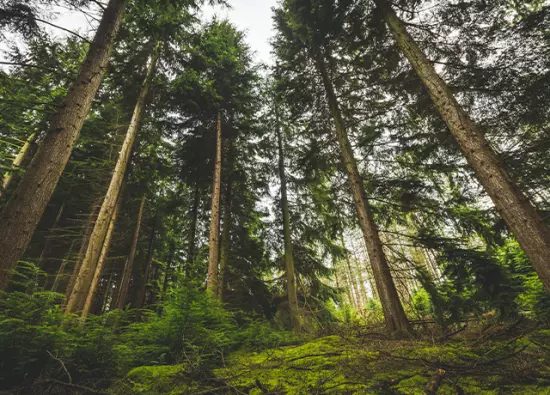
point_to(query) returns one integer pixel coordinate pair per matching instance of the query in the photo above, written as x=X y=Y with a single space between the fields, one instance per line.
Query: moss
x=157 y=380
x=333 y=365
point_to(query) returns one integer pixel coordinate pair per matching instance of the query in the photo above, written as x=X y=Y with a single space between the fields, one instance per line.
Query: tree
x=23 y=211
x=519 y=214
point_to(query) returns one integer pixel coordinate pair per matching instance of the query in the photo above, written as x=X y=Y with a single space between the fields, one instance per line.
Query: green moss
x=157 y=380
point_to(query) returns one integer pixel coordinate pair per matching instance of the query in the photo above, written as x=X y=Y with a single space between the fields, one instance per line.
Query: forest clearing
x=301 y=197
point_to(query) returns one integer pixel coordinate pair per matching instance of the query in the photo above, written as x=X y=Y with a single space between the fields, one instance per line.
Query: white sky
x=251 y=16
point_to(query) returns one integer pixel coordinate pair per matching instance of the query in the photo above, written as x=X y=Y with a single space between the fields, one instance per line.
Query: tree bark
x=226 y=237
x=103 y=257
x=17 y=162
x=127 y=273
x=87 y=232
x=22 y=213
x=394 y=315
x=515 y=208
x=214 y=244
x=291 y=286
x=80 y=290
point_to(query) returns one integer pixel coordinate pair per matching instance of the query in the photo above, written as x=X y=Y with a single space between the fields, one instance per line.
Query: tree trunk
x=127 y=273
x=17 y=163
x=80 y=291
x=49 y=237
x=291 y=286
x=22 y=213
x=141 y=286
x=226 y=237
x=394 y=315
x=514 y=207
x=103 y=257
x=87 y=232
x=214 y=244
x=193 y=228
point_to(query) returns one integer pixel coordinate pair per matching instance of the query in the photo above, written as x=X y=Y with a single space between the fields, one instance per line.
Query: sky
x=251 y=16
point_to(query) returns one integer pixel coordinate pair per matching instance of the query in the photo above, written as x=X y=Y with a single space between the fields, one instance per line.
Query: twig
x=62 y=365
x=80 y=387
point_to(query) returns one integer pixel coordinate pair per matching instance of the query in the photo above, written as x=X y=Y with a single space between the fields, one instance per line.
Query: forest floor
x=493 y=359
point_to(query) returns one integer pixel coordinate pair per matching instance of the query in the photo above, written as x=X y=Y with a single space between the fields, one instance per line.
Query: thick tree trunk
x=103 y=257
x=143 y=278
x=291 y=286
x=394 y=315
x=22 y=213
x=127 y=273
x=82 y=284
x=514 y=207
x=214 y=244
x=17 y=163
x=226 y=238
x=193 y=228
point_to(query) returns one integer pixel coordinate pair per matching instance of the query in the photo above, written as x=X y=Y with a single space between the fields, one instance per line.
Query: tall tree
x=212 y=282
x=22 y=213
x=514 y=207
x=291 y=286
x=97 y=238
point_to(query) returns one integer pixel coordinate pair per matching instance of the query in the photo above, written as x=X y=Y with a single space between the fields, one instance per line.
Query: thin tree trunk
x=61 y=270
x=225 y=240
x=17 y=163
x=141 y=287
x=48 y=243
x=352 y=282
x=291 y=286
x=514 y=207
x=214 y=244
x=103 y=257
x=127 y=273
x=87 y=232
x=80 y=290
x=193 y=227
x=394 y=315
x=22 y=213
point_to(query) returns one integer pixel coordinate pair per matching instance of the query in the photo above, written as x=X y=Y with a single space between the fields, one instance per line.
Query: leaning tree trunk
x=214 y=244
x=61 y=270
x=127 y=273
x=17 y=162
x=394 y=315
x=87 y=269
x=103 y=257
x=226 y=237
x=22 y=213
x=287 y=235
x=514 y=207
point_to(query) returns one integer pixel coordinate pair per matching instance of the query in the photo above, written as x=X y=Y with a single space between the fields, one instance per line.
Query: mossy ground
x=518 y=364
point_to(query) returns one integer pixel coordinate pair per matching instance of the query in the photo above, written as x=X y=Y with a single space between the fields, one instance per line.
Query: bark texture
x=394 y=315
x=89 y=263
x=22 y=213
x=291 y=286
x=127 y=273
x=102 y=258
x=514 y=207
x=214 y=244
x=225 y=240
x=17 y=162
